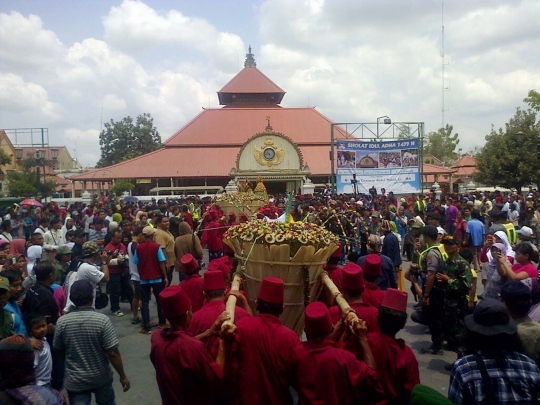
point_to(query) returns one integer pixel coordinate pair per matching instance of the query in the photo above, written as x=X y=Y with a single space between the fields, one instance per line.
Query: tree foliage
x=122 y=185
x=5 y=159
x=510 y=156
x=125 y=139
x=533 y=99
x=24 y=183
x=442 y=144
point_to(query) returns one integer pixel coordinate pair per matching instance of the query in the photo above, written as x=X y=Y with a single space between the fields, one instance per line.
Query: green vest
x=420 y=205
x=423 y=255
x=510 y=232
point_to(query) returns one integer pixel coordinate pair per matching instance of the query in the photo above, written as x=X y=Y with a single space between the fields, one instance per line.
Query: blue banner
x=389 y=164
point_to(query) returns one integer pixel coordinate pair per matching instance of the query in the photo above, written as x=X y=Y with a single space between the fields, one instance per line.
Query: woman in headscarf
x=68 y=226
x=500 y=237
x=33 y=255
x=496 y=275
x=524 y=267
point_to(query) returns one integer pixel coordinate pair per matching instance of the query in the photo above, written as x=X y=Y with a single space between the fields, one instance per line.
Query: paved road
x=135 y=349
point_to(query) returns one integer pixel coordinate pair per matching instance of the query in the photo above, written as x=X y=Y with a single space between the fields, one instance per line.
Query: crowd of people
x=65 y=270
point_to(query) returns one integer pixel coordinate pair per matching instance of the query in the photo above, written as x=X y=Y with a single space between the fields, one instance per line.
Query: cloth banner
x=389 y=164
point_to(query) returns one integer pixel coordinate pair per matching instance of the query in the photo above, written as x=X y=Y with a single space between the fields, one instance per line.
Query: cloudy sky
x=64 y=62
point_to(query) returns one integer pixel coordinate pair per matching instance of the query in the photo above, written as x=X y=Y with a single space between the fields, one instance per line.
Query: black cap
x=431 y=231
x=495 y=213
x=449 y=240
x=80 y=292
x=79 y=233
x=434 y=215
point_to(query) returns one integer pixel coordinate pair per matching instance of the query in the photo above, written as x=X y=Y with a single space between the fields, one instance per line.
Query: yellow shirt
x=474 y=276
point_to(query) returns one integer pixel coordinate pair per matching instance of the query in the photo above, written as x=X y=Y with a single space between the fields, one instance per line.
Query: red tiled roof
x=466 y=166
x=433 y=169
x=251 y=80
x=194 y=162
x=234 y=126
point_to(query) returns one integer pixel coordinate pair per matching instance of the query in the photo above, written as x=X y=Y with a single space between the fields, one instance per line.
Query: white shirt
x=54 y=238
x=43 y=364
x=133 y=269
x=88 y=272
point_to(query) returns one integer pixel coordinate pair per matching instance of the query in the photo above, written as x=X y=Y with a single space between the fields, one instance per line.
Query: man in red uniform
x=264 y=350
x=118 y=275
x=353 y=288
x=150 y=262
x=325 y=374
x=232 y=219
x=214 y=290
x=373 y=295
x=193 y=284
x=336 y=275
x=396 y=363
x=212 y=237
x=185 y=371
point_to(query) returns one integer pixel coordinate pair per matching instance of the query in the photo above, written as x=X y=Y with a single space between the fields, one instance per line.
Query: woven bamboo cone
x=230 y=306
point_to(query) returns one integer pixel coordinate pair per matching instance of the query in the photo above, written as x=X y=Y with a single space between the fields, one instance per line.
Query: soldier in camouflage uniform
x=456 y=282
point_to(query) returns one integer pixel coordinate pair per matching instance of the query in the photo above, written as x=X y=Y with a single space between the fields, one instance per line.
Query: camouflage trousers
x=454 y=324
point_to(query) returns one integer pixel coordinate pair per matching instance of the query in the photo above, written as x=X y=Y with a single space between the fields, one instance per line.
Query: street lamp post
x=40 y=159
x=386 y=121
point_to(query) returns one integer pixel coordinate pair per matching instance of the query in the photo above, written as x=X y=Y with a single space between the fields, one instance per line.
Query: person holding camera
x=93 y=268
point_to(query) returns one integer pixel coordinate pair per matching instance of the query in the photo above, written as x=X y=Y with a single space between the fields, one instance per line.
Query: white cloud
x=354 y=59
x=20 y=97
x=134 y=26
x=26 y=45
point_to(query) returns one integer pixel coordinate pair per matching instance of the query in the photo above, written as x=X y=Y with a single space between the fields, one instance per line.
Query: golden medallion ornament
x=269 y=154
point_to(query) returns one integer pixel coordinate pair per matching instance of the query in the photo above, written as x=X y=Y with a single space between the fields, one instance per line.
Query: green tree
x=122 y=185
x=5 y=159
x=405 y=131
x=24 y=183
x=533 y=100
x=442 y=144
x=510 y=156
x=125 y=139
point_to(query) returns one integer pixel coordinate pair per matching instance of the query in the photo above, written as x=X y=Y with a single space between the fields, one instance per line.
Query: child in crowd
x=37 y=328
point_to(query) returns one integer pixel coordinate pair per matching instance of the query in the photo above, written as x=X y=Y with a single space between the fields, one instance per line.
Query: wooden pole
x=230 y=306
x=340 y=301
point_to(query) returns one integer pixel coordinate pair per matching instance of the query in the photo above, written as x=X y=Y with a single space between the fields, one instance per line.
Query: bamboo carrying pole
x=231 y=301
x=342 y=302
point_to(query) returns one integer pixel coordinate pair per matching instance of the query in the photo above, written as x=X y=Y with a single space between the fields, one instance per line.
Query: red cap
x=213 y=280
x=174 y=301
x=395 y=299
x=337 y=252
x=219 y=265
x=243 y=215
x=318 y=321
x=272 y=290
x=232 y=215
x=213 y=214
x=189 y=263
x=353 y=277
x=372 y=265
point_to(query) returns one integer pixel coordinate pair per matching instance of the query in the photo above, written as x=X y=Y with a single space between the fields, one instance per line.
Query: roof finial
x=268 y=127
x=250 y=60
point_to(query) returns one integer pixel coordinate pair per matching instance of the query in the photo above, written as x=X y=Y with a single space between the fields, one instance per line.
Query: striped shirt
x=85 y=336
x=514 y=377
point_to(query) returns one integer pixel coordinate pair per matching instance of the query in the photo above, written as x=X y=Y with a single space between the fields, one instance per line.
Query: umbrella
x=130 y=198
x=32 y=202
